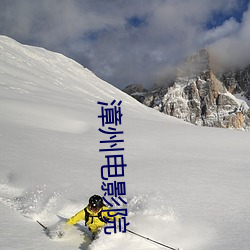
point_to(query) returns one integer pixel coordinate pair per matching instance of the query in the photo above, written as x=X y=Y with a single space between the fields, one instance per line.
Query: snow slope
x=187 y=186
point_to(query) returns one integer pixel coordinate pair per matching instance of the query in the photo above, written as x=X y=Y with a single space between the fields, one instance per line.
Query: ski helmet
x=95 y=202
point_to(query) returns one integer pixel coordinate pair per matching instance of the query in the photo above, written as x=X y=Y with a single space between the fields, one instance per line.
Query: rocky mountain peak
x=200 y=96
x=197 y=64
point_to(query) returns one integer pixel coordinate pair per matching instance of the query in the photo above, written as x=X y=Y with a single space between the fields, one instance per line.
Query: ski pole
x=45 y=228
x=152 y=240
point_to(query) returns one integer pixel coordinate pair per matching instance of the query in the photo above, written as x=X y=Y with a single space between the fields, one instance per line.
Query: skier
x=93 y=215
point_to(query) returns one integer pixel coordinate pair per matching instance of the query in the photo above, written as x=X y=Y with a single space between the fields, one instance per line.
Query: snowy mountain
x=237 y=81
x=201 y=96
x=187 y=186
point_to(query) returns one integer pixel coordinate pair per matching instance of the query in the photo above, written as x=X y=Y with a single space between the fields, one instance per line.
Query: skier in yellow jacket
x=93 y=215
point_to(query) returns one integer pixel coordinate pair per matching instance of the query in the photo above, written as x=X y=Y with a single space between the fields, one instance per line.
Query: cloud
x=228 y=28
x=232 y=50
x=121 y=41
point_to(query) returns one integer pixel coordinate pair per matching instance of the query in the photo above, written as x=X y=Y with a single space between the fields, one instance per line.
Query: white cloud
x=233 y=50
x=228 y=28
x=97 y=32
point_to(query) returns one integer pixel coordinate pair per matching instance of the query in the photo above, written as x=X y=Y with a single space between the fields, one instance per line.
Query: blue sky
x=218 y=17
x=131 y=41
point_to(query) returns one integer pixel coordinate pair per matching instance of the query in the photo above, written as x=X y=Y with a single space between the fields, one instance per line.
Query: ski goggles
x=94 y=208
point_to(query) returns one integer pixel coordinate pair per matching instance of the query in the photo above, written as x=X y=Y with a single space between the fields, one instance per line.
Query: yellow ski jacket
x=93 y=223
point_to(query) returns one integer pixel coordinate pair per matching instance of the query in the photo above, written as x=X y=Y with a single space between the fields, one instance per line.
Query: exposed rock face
x=237 y=81
x=199 y=97
x=137 y=91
